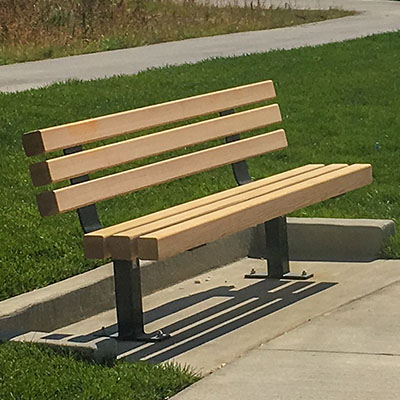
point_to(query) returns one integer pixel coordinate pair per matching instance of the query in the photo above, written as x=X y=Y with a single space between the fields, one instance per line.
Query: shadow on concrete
x=232 y=309
x=236 y=309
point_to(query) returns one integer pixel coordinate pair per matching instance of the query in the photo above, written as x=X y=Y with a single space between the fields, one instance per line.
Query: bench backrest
x=76 y=164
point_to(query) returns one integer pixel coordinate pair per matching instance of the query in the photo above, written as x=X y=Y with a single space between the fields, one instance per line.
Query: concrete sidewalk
x=331 y=337
x=350 y=353
x=375 y=16
x=218 y=318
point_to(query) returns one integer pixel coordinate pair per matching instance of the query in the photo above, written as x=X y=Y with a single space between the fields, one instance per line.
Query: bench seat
x=169 y=232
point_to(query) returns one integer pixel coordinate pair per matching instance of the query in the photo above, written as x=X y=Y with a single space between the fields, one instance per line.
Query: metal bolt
x=159 y=334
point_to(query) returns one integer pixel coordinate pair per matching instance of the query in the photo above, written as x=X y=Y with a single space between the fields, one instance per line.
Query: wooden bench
x=171 y=231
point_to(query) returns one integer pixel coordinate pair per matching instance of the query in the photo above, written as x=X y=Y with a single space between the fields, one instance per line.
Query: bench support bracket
x=128 y=296
x=240 y=168
x=88 y=217
x=277 y=253
x=275 y=230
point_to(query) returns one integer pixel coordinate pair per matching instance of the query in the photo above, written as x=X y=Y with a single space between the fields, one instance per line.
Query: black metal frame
x=277 y=257
x=88 y=216
x=128 y=298
x=128 y=291
x=275 y=230
x=240 y=168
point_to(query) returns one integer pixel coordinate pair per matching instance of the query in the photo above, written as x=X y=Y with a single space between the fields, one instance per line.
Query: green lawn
x=35 y=372
x=337 y=102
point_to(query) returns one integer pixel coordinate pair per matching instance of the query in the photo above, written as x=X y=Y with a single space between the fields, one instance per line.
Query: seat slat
x=180 y=237
x=94 y=242
x=88 y=161
x=72 y=197
x=124 y=244
x=95 y=129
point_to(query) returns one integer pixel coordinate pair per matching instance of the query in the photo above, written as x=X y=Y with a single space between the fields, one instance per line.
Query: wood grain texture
x=95 y=242
x=94 y=129
x=88 y=161
x=123 y=245
x=72 y=197
x=204 y=229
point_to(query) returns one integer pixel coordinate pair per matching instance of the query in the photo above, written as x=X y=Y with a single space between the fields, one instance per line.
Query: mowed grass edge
x=29 y=371
x=339 y=104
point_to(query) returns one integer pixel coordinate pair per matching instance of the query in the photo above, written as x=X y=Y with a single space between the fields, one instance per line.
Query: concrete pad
x=94 y=348
x=329 y=239
x=296 y=375
x=219 y=316
x=375 y=17
x=53 y=306
x=92 y=292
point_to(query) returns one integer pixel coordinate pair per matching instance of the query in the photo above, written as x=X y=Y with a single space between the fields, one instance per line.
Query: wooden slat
x=85 y=162
x=95 y=242
x=177 y=238
x=72 y=197
x=124 y=245
x=94 y=129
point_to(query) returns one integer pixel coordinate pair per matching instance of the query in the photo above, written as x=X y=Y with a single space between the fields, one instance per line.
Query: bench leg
x=278 y=252
x=128 y=298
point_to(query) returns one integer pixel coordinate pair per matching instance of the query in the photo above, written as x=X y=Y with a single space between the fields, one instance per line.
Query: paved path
x=351 y=353
x=375 y=17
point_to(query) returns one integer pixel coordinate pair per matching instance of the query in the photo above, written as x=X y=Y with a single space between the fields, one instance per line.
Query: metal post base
x=128 y=298
x=277 y=253
x=290 y=275
x=154 y=337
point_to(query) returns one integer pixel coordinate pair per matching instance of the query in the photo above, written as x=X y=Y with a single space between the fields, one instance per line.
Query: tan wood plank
x=72 y=197
x=88 y=161
x=95 y=244
x=94 y=129
x=124 y=245
x=177 y=238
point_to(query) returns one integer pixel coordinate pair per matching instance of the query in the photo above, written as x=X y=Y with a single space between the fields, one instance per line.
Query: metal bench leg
x=128 y=296
x=278 y=252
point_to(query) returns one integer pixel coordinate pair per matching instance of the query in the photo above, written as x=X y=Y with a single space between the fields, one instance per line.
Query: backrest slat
x=88 y=161
x=83 y=194
x=95 y=129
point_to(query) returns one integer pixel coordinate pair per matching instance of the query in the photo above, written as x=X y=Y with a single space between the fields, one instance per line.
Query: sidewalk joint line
x=336 y=352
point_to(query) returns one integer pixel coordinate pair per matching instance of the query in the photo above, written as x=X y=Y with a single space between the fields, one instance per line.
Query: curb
x=322 y=239
x=99 y=349
x=73 y=299
x=90 y=293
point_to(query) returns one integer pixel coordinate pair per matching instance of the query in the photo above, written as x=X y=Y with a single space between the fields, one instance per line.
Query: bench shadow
x=236 y=308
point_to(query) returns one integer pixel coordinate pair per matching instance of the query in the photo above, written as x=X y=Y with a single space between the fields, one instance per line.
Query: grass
x=35 y=372
x=39 y=29
x=338 y=101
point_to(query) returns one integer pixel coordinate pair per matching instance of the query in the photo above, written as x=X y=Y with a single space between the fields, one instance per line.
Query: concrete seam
x=335 y=352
